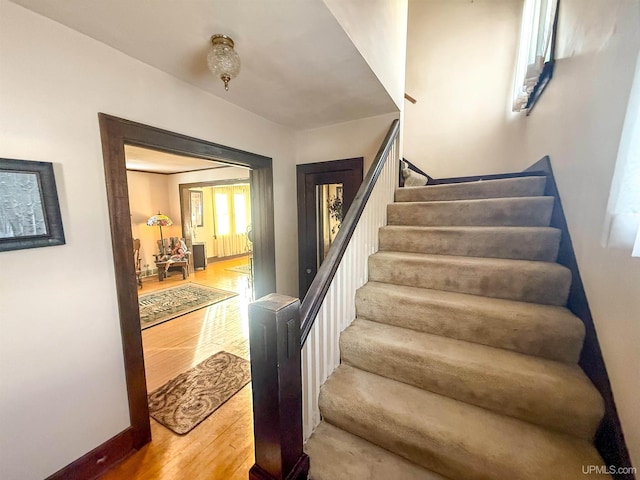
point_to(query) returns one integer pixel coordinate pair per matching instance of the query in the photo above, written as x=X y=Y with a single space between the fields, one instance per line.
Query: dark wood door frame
x=351 y=171
x=115 y=133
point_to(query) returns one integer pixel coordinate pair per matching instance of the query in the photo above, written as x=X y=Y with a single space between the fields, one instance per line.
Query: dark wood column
x=274 y=335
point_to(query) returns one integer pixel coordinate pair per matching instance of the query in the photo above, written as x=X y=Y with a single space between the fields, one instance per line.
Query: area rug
x=163 y=305
x=184 y=402
x=246 y=269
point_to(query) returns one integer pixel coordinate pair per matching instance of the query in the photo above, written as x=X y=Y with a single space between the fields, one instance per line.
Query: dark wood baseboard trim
x=299 y=472
x=93 y=464
x=609 y=439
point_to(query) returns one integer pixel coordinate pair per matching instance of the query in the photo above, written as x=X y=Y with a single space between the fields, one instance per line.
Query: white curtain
x=232 y=217
x=535 y=48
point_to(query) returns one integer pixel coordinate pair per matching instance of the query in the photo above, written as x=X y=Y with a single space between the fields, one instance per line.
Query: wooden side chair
x=137 y=260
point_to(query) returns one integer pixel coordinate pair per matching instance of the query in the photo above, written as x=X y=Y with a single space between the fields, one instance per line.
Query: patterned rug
x=246 y=269
x=184 y=402
x=163 y=305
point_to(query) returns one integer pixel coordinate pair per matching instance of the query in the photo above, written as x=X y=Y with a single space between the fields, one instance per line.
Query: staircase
x=461 y=363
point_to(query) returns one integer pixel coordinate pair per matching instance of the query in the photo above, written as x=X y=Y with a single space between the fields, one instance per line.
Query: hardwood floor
x=221 y=447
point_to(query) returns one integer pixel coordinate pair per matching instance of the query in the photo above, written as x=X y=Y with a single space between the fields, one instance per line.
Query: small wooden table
x=163 y=267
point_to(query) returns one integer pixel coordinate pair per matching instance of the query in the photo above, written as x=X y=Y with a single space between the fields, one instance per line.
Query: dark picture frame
x=29 y=209
x=195 y=204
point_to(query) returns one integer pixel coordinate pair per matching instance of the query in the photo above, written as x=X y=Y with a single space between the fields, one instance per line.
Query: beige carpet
x=160 y=306
x=187 y=400
x=461 y=362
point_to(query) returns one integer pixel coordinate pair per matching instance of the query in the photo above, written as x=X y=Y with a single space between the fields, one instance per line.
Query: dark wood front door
x=325 y=192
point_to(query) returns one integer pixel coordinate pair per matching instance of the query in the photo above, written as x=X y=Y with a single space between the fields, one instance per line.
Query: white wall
x=61 y=365
x=378 y=28
x=578 y=122
x=360 y=138
x=460 y=61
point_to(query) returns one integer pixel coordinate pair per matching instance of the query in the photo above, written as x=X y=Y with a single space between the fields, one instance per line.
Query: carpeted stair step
x=499 y=188
x=452 y=438
x=522 y=280
x=520 y=243
x=551 y=394
x=540 y=330
x=506 y=212
x=338 y=455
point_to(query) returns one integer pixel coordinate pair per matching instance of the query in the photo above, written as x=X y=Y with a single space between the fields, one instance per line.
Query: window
x=534 y=67
x=240 y=212
x=231 y=209
x=622 y=225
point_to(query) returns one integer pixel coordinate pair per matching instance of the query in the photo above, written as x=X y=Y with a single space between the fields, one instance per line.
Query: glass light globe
x=222 y=59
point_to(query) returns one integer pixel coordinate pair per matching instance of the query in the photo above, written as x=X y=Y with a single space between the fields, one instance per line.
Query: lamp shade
x=159 y=220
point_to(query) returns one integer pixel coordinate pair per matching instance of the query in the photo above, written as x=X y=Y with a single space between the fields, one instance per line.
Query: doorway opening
x=116 y=133
x=219 y=226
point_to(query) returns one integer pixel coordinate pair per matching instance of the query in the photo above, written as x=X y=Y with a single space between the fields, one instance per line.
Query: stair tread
x=463 y=260
x=526 y=280
x=552 y=394
x=520 y=243
x=447 y=436
x=471 y=228
x=516 y=211
x=504 y=187
x=481 y=201
x=546 y=330
x=339 y=455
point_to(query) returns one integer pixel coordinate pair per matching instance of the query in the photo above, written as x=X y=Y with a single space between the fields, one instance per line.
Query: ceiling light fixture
x=222 y=59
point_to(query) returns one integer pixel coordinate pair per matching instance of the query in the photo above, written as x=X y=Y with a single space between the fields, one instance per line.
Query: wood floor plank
x=221 y=447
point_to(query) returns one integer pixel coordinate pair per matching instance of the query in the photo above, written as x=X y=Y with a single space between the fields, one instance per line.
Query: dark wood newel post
x=274 y=336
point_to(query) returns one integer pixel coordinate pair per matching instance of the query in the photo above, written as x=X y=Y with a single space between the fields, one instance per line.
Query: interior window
x=534 y=67
x=622 y=224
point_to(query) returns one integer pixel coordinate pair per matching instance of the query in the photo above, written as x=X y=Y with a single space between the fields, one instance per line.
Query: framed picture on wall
x=29 y=208
x=195 y=204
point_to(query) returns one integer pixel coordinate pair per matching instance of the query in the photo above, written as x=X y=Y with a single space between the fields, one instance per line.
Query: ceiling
x=154 y=161
x=299 y=68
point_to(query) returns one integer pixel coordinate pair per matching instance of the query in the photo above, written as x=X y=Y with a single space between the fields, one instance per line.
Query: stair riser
x=338 y=455
x=523 y=212
x=513 y=187
x=537 y=284
x=553 y=396
x=554 y=336
x=491 y=243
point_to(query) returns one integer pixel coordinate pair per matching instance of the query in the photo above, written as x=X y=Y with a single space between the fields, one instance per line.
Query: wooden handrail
x=322 y=281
